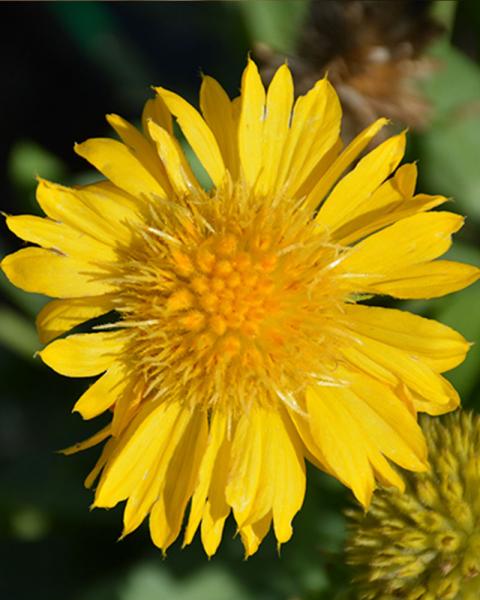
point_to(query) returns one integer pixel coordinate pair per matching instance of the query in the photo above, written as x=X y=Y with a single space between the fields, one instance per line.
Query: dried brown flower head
x=372 y=53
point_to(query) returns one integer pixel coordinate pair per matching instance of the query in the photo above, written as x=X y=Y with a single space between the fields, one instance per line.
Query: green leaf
x=29 y=524
x=30 y=303
x=452 y=66
x=17 y=333
x=450 y=163
x=152 y=582
x=445 y=12
x=95 y=29
x=465 y=253
x=346 y=594
x=27 y=160
x=449 y=149
x=461 y=313
x=274 y=23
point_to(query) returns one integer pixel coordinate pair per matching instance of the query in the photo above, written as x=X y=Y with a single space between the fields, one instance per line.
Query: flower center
x=229 y=303
x=226 y=291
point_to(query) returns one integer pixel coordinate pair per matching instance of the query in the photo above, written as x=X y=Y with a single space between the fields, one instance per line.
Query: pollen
x=205 y=260
x=183 y=263
x=193 y=320
x=228 y=292
x=180 y=300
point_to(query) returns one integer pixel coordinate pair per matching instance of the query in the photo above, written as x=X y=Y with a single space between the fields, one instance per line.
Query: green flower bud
x=424 y=544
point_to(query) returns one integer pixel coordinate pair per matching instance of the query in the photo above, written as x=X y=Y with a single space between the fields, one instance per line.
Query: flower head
x=233 y=346
x=425 y=544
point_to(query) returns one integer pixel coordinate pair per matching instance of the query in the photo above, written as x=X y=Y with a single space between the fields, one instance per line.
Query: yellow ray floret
x=224 y=324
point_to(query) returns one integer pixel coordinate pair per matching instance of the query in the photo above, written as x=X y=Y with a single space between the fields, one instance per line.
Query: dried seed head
x=371 y=50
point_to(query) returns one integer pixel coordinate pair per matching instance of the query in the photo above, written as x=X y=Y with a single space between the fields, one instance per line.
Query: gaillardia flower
x=234 y=346
x=425 y=544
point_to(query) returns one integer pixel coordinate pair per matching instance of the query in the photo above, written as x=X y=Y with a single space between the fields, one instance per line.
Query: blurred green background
x=64 y=65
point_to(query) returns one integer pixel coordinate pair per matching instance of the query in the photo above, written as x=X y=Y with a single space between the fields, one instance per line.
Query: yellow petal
x=439 y=346
x=355 y=189
x=415 y=373
x=269 y=433
x=96 y=210
x=408 y=242
x=282 y=479
x=83 y=354
x=180 y=175
x=389 y=427
x=341 y=441
x=101 y=462
x=392 y=201
x=276 y=127
x=252 y=535
x=103 y=393
x=236 y=111
x=167 y=513
x=314 y=131
x=426 y=405
x=143 y=150
x=60 y=237
x=112 y=204
x=147 y=491
x=384 y=472
x=405 y=179
x=114 y=160
x=59 y=316
x=344 y=160
x=217 y=434
x=138 y=451
x=245 y=465
x=287 y=460
x=216 y=508
x=392 y=194
x=127 y=407
x=386 y=206
x=218 y=113
x=354 y=355
x=212 y=527
x=426 y=280
x=46 y=272
x=197 y=133
x=156 y=110
x=310 y=448
x=386 y=421
x=144 y=494
x=250 y=128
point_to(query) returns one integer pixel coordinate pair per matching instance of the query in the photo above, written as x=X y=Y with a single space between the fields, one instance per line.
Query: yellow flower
x=234 y=347
x=425 y=544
